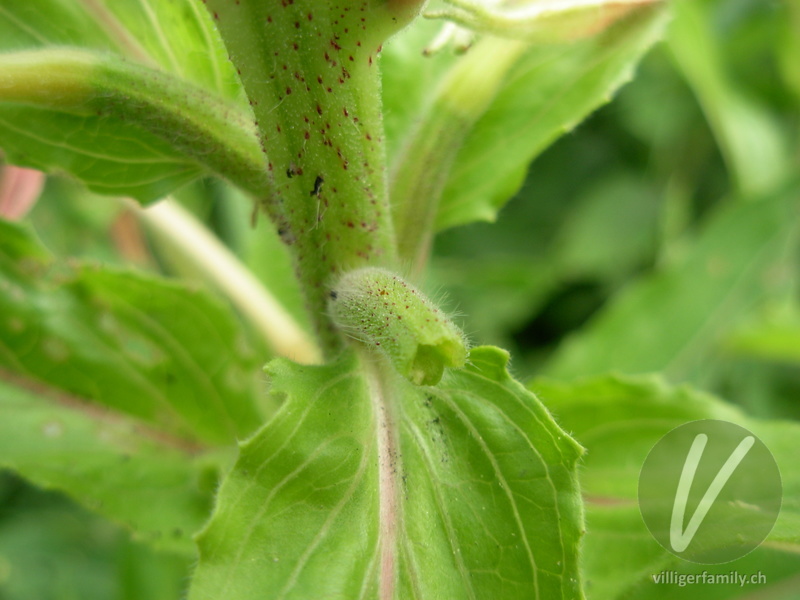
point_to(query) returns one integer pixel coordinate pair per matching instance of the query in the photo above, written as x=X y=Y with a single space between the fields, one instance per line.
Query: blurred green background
x=659 y=235
x=677 y=170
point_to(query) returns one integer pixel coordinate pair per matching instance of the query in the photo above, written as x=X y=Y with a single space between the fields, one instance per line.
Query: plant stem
x=309 y=69
x=184 y=235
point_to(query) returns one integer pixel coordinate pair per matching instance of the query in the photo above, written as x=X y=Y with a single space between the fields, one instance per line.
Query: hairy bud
x=384 y=312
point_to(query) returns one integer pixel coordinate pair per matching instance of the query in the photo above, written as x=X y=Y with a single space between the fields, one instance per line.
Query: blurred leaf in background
x=659 y=235
x=618 y=420
x=52 y=550
x=635 y=192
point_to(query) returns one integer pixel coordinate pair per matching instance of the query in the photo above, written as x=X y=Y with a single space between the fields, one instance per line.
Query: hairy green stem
x=309 y=69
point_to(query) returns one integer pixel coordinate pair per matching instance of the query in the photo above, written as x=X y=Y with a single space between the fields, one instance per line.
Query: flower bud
x=384 y=312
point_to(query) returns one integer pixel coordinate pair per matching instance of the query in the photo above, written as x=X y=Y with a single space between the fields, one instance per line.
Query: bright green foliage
x=478 y=479
x=618 y=420
x=82 y=91
x=540 y=22
x=113 y=464
x=385 y=313
x=683 y=311
x=87 y=330
x=496 y=108
x=166 y=144
x=750 y=139
x=85 y=556
x=421 y=471
x=774 y=335
x=116 y=395
x=176 y=37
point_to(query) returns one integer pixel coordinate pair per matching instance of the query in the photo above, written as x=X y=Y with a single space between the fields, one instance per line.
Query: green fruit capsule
x=382 y=311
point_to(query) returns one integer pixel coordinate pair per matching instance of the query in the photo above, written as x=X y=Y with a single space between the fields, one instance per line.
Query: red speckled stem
x=310 y=70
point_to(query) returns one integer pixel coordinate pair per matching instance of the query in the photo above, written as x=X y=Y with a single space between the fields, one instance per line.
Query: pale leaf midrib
x=100 y=413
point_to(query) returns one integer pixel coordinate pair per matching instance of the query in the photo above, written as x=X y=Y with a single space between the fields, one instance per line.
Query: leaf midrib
x=102 y=414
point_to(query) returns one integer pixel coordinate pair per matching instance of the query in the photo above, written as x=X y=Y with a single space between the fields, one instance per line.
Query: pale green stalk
x=176 y=229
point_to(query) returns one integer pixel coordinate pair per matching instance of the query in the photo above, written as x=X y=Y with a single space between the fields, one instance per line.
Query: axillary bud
x=382 y=311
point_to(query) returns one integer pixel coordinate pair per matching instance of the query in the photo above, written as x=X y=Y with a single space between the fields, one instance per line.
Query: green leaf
x=675 y=319
x=538 y=22
x=750 y=137
x=177 y=37
x=53 y=550
x=468 y=152
x=549 y=92
x=115 y=384
x=132 y=342
x=618 y=420
x=121 y=128
x=773 y=335
x=153 y=483
x=124 y=141
x=364 y=485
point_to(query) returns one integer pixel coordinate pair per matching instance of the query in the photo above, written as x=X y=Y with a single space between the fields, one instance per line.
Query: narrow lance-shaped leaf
x=186 y=63
x=176 y=37
x=675 y=319
x=425 y=165
x=71 y=110
x=496 y=108
x=365 y=486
